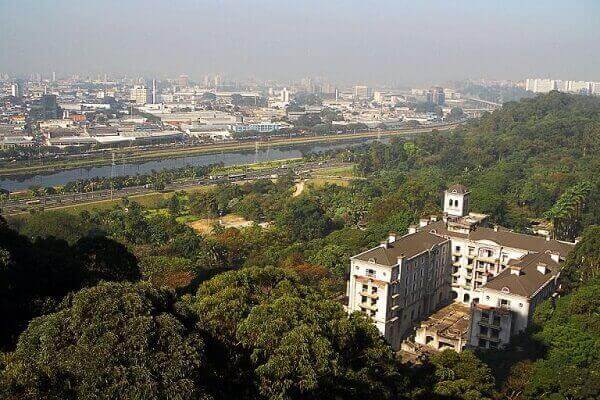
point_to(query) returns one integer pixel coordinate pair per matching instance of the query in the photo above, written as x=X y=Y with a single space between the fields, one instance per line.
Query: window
x=450 y=203
x=457 y=248
x=483 y=331
x=365 y=288
x=370 y=272
x=504 y=303
x=363 y=299
x=374 y=289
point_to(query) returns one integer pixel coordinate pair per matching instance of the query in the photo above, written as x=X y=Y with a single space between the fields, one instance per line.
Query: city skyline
x=405 y=43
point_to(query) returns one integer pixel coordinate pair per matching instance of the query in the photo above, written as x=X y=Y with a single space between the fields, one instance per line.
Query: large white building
x=537 y=85
x=400 y=282
x=457 y=258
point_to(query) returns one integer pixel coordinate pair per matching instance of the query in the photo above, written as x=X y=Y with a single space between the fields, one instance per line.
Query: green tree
x=570 y=329
x=304 y=219
x=462 y=376
x=118 y=341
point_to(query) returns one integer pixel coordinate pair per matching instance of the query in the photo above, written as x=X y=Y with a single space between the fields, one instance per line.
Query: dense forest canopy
x=131 y=302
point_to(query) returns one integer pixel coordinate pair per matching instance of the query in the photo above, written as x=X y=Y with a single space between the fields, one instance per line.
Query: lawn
x=346 y=171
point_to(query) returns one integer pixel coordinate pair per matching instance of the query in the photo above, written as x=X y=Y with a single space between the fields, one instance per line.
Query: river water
x=228 y=158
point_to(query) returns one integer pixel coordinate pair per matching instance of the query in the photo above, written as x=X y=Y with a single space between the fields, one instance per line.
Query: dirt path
x=299 y=189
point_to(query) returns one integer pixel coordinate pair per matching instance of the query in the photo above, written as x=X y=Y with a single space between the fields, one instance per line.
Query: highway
x=19 y=206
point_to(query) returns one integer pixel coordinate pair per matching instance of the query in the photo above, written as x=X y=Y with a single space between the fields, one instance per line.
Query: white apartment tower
x=285 y=95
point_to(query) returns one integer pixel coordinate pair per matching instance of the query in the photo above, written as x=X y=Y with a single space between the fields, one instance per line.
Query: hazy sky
x=371 y=41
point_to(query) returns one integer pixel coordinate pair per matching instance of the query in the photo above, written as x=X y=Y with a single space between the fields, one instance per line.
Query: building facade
x=139 y=94
x=400 y=282
x=499 y=274
x=508 y=302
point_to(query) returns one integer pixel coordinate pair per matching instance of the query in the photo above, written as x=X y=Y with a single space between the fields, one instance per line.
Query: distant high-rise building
x=53 y=76
x=285 y=95
x=184 y=80
x=361 y=92
x=154 y=94
x=436 y=96
x=217 y=80
x=139 y=94
x=537 y=85
x=206 y=80
x=45 y=108
x=15 y=90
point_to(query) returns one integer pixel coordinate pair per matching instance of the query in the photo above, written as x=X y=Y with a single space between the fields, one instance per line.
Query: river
x=16 y=183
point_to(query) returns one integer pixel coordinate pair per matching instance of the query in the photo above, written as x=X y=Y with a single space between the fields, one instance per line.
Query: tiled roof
x=407 y=246
x=460 y=189
x=505 y=237
x=530 y=280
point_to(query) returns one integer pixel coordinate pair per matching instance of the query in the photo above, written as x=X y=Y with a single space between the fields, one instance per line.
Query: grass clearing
x=321 y=182
x=204 y=226
x=346 y=171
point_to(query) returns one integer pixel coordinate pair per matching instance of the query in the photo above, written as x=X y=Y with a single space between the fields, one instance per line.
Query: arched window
x=466 y=298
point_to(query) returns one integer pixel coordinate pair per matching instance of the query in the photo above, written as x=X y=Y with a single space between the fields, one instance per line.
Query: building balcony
x=491 y=260
x=370 y=295
x=492 y=338
x=488 y=322
x=368 y=306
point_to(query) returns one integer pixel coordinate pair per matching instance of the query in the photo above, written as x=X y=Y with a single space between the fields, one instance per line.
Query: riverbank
x=132 y=156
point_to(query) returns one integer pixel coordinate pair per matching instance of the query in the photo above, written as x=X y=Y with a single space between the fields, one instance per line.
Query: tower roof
x=458 y=188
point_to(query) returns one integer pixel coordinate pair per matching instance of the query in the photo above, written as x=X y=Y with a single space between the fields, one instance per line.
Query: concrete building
x=447 y=328
x=154 y=97
x=16 y=90
x=183 y=81
x=285 y=96
x=508 y=301
x=491 y=269
x=400 y=282
x=436 y=96
x=139 y=94
x=258 y=126
x=540 y=85
x=361 y=92
x=537 y=85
